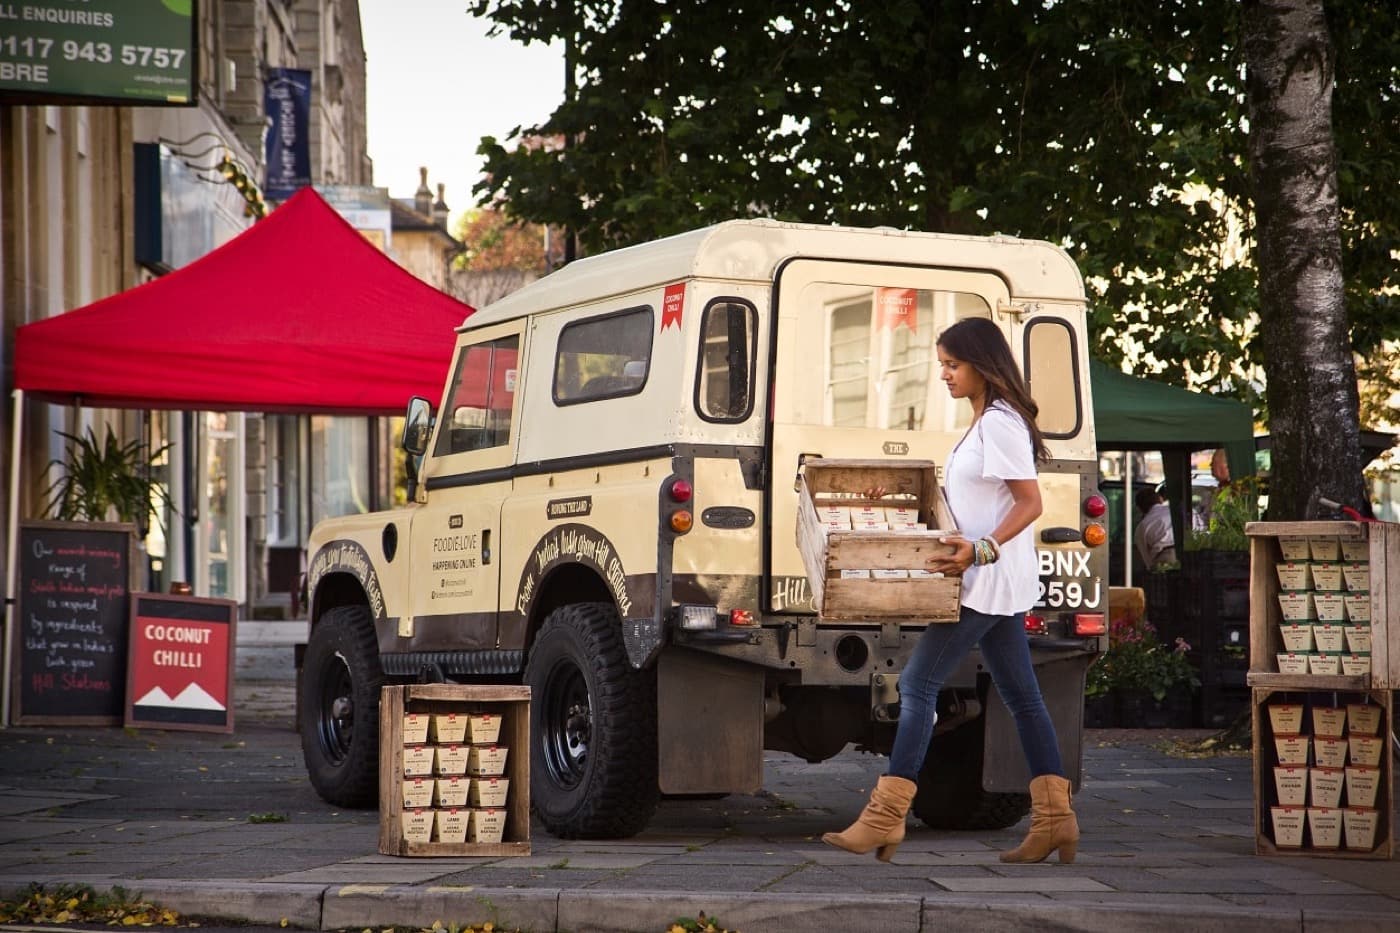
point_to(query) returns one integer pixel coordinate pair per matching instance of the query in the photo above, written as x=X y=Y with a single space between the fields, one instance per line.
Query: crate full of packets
x=868 y=559
x=452 y=770
x=1329 y=776
x=1325 y=605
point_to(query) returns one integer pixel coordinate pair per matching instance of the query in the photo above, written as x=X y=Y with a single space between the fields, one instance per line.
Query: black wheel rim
x=336 y=710
x=566 y=725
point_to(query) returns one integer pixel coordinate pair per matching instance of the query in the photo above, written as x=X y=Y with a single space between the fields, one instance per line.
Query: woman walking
x=990 y=481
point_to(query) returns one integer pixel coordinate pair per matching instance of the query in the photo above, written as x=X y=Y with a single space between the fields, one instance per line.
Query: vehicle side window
x=1053 y=375
x=603 y=357
x=481 y=399
x=728 y=348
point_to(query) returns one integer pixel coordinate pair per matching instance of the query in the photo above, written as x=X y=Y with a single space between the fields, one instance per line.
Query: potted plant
x=1234 y=505
x=109 y=480
x=1150 y=682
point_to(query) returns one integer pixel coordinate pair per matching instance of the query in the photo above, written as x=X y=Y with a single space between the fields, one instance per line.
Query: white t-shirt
x=996 y=449
x=1154 y=535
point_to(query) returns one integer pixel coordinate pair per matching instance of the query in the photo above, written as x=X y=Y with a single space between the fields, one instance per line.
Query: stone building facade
x=243 y=482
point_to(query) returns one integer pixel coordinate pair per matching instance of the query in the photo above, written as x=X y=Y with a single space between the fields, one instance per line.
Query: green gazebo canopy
x=1131 y=413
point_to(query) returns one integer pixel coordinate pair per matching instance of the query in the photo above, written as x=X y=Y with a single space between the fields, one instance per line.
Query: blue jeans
x=1007 y=655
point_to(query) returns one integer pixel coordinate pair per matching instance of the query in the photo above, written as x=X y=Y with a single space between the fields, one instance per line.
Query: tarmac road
x=227 y=826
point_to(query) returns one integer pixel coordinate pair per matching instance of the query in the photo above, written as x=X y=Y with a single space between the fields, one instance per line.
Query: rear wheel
x=950 y=794
x=339 y=710
x=592 y=727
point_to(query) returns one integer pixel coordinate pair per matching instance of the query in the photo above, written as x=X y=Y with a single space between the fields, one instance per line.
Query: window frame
x=443 y=429
x=752 y=313
x=594 y=319
x=1074 y=371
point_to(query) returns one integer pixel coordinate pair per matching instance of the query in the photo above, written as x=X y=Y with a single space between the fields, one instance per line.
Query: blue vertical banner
x=287 y=100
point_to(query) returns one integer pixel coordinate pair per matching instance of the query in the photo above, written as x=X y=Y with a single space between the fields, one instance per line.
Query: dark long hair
x=979 y=343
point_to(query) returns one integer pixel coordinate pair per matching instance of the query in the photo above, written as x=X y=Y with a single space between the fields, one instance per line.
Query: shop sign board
x=140 y=52
x=180 y=674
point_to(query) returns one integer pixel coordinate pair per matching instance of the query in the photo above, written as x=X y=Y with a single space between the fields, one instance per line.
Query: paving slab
x=1168 y=845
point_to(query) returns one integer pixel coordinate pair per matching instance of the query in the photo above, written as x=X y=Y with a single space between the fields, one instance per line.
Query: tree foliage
x=1118 y=129
x=493 y=241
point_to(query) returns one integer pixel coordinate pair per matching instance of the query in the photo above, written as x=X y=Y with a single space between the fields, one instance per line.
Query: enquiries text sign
x=132 y=51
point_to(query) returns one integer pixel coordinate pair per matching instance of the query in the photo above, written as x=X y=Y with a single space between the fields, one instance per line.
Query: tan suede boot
x=1053 y=824
x=881 y=823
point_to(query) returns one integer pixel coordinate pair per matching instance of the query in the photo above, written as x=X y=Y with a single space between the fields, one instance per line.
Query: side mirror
x=418 y=426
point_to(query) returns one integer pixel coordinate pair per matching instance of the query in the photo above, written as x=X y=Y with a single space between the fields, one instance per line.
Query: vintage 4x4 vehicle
x=604 y=509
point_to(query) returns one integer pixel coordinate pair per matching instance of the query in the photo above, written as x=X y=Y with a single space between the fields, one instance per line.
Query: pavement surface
x=227 y=826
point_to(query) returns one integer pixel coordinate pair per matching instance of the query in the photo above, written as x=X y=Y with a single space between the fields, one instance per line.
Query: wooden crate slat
x=1385 y=606
x=1304 y=529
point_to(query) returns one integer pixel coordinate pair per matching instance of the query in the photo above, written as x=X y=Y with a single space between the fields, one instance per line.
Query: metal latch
x=884 y=697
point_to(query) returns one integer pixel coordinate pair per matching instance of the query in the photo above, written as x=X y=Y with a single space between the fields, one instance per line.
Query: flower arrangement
x=1138 y=662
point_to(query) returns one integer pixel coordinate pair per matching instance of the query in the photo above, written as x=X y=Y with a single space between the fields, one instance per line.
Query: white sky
x=436 y=85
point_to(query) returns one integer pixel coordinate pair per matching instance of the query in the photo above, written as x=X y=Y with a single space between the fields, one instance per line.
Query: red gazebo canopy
x=299 y=313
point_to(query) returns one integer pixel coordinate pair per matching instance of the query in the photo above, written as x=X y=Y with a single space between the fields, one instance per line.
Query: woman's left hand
x=954 y=564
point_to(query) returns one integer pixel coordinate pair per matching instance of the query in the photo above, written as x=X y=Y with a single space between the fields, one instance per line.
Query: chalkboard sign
x=180 y=674
x=70 y=634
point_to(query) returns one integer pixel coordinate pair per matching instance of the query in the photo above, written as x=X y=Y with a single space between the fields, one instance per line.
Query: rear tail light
x=1095 y=506
x=1095 y=534
x=679 y=491
x=741 y=617
x=1036 y=625
x=1088 y=624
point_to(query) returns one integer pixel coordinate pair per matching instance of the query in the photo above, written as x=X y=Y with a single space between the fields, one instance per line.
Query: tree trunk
x=1312 y=395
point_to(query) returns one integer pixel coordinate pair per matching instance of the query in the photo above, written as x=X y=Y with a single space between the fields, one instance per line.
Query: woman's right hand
x=954 y=564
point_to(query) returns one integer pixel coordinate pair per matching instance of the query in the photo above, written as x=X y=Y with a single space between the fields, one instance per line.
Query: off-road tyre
x=950 y=794
x=338 y=717
x=593 y=772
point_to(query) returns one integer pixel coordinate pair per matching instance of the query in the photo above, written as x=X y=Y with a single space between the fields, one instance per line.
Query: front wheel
x=950 y=794
x=339 y=711
x=592 y=728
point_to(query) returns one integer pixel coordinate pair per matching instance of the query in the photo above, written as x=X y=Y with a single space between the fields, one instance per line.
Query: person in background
x=1153 y=535
x=1220 y=469
x=994 y=497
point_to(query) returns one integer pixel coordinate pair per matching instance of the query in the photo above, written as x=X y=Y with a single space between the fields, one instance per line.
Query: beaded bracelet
x=985 y=551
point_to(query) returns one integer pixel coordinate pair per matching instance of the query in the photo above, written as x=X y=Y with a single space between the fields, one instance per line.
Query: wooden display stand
x=827 y=552
x=512 y=705
x=1309 y=690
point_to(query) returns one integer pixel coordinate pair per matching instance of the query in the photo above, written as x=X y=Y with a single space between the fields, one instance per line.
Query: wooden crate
x=1265 y=758
x=512 y=704
x=1265 y=614
x=825 y=553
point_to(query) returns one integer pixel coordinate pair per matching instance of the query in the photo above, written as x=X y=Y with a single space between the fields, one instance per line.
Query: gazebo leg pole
x=11 y=560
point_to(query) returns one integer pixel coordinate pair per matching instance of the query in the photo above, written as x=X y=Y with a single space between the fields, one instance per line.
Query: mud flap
x=1062 y=685
x=709 y=724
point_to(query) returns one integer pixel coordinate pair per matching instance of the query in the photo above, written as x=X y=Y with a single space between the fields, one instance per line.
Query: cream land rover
x=604 y=509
